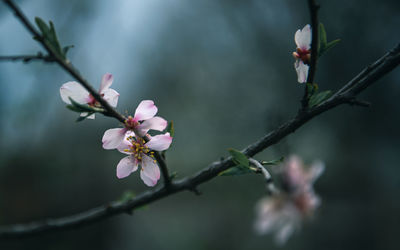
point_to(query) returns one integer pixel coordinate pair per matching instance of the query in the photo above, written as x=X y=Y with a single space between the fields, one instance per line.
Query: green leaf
x=238 y=170
x=239 y=158
x=312 y=88
x=319 y=98
x=322 y=36
x=54 y=40
x=323 y=45
x=273 y=162
x=331 y=44
x=170 y=128
x=50 y=37
x=42 y=26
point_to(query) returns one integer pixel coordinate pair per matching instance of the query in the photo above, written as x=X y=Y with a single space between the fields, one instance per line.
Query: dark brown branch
x=67 y=66
x=314 y=7
x=381 y=67
x=28 y=58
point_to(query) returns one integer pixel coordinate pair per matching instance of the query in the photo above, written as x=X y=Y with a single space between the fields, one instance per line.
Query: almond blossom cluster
x=302 y=54
x=133 y=139
x=284 y=211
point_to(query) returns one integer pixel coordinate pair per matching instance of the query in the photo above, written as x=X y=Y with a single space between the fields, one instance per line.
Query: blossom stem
x=268 y=178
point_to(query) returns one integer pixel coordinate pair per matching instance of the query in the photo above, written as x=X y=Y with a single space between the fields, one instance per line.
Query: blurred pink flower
x=302 y=53
x=140 y=154
x=143 y=120
x=283 y=212
x=79 y=94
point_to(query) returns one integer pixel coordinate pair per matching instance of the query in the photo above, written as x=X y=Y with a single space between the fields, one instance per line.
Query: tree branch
x=381 y=67
x=67 y=66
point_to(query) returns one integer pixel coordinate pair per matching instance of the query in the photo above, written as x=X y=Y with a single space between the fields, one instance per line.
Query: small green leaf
x=331 y=44
x=54 y=40
x=273 y=162
x=318 y=98
x=238 y=170
x=50 y=37
x=239 y=158
x=322 y=36
x=170 y=128
x=42 y=26
x=312 y=88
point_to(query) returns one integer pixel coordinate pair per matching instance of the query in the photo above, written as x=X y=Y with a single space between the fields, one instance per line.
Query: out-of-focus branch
x=28 y=58
x=67 y=66
x=376 y=71
x=314 y=7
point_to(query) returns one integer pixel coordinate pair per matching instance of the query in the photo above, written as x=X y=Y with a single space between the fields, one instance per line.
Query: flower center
x=131 y=123
x=93 y=102
x=138 y=148
x=302 y=54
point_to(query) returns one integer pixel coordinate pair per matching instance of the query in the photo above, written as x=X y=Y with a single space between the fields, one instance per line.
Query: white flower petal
x=155 y=123
x=112 y=138
x=303 y=38
x=92 y=116
x=315 y=171
x=284 y=233
x=75 y=91
x=111 y=96
x=150 y=172
x=106 y=82
x=145 y=110
x=126 y=166
x=301 y=70
x=160 y=142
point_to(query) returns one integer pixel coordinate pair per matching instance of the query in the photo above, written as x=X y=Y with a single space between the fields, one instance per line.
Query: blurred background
x=222 y=70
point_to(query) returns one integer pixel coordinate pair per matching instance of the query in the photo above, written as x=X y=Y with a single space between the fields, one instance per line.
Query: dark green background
x=222 y=70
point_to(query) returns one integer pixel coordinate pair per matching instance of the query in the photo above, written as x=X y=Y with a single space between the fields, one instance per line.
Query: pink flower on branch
x=302 y=54
x=79 y=94
x=141 y=154
x=143 y=121
x=283 y=212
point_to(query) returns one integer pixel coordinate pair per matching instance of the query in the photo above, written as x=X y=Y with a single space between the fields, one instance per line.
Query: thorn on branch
x=355 y=102
x=194 y=190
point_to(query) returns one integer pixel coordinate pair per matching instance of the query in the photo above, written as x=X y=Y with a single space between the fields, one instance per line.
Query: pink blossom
x=302 y=54
x=143 y=121
x=140 y=154
x=75 y=91
x=283 y=212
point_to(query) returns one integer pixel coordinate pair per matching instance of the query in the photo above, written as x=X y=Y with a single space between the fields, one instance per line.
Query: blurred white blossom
x=284 y=211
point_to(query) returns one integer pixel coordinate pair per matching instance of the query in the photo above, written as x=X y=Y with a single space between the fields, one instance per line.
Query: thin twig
x=67 y=66
x=313 y=6
x=387 y=63
x=28 y=58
